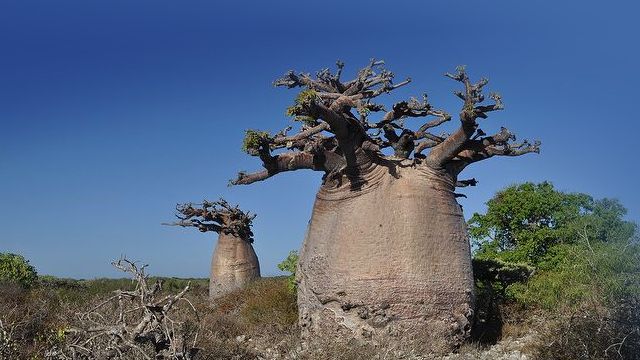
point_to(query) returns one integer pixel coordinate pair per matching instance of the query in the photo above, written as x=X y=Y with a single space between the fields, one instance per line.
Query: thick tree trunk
x=234 y=264
x=390 y=259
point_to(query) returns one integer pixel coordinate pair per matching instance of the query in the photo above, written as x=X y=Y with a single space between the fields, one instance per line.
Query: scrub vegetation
x=561 y=270
x=562 y=264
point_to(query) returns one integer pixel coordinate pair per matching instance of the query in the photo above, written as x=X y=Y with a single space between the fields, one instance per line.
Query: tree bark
x=233 y=265
x=391 y=258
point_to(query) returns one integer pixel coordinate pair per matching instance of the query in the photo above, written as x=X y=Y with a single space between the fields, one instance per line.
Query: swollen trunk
x=389 y=260
x=233 y=265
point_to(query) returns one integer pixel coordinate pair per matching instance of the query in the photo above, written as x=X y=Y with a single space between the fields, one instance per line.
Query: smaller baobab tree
x=234 y=262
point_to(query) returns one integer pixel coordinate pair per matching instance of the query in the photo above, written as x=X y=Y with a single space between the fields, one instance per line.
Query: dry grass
x=260 y=321
x=264 y=314
x=246 y=322
x=590 y=333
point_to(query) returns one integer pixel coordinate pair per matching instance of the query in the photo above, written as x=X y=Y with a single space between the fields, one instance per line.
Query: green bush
x=300 y=110
x=253 y=140
x=16 y=269
x=586 y=270
x=590 y=300
x=289 y=264
x=569 y=238
x=525 y=222
x=609 y=272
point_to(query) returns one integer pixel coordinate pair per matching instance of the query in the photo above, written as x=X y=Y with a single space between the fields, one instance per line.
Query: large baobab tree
x=234 y=262
x=386 y=250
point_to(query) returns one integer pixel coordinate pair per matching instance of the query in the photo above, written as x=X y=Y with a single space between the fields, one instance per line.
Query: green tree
x=16 y=269
x=525 y=223
x=586 y=269
x=289 y=264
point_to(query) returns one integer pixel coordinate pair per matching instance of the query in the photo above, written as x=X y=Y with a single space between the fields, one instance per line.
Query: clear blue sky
x=112 y=112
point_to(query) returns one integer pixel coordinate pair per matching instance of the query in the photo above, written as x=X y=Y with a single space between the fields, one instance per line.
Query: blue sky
x=111 y=112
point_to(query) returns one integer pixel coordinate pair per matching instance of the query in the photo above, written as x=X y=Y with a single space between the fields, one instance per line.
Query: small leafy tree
x=15 y=268
x=289 y=264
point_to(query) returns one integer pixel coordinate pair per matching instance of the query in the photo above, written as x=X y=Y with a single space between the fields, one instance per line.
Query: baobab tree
x=386 y=252
x=234 y=262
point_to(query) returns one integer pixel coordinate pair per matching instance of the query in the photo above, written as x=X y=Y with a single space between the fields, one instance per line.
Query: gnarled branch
x=471 y=96
x=138 y=327
x=500 y=144
x=218 y=216
x=326 y=104
x=288 y=161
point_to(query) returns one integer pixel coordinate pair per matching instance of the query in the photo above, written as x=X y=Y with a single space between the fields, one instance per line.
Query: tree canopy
x=339 y=127
x=217 y=216
x=525 y=222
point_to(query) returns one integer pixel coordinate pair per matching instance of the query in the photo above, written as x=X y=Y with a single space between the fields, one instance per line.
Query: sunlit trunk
x=233 y=265
x=391 y=259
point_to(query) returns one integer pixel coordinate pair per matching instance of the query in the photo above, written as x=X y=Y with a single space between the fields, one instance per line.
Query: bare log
x=131 y=324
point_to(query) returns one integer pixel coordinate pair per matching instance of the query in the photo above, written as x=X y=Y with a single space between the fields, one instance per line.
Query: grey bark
x=234 y=264
x=402 y=268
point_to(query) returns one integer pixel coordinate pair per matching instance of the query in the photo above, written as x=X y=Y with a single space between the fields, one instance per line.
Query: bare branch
x=423 y=145
x=471 y=96
x=442 y=118
x=147 y=331
x=304 y=134
x=498 y=144
x=291 y=80
x=308 y=105
x=411 y=108
x=516 y=149
x=288 y=161
x=465 y=183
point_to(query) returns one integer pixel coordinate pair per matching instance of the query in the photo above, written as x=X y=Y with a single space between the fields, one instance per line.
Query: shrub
x=586 y=284
x=266 y=301
x=270 y=302
x=16 y=269
x=590 y=300
x=290 y=264
x=609 y=272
